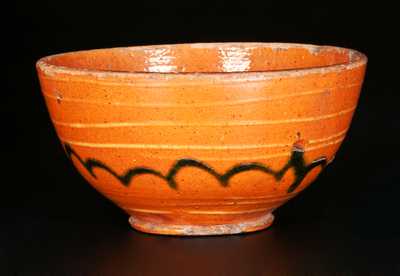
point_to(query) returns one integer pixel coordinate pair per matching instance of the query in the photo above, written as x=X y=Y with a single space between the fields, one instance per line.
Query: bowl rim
x=356 y=59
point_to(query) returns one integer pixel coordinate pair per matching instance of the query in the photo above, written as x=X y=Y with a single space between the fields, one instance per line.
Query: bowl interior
x=206 y=58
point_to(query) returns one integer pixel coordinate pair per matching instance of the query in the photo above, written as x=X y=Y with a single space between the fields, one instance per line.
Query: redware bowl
x=202 y=139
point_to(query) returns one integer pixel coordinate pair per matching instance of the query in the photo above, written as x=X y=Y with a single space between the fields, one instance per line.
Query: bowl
x=202 y=139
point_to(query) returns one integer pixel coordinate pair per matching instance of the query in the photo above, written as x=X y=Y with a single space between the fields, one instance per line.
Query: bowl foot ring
x=257 y=224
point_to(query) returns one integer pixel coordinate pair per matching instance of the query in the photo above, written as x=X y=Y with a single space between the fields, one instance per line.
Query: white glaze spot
x=235 y=59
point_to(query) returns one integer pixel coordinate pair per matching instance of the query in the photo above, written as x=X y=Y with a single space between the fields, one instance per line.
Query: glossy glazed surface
x=192 y=137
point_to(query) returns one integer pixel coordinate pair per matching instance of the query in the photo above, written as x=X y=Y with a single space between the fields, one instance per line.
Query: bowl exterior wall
x=198 y=151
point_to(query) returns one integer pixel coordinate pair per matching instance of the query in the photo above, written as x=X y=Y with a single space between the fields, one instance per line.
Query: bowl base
x=152 y=227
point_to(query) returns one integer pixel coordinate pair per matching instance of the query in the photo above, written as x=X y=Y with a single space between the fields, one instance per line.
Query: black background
x=53 y=223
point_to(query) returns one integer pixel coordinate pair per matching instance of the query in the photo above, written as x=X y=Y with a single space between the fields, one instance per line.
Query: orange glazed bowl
x=202 y=139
